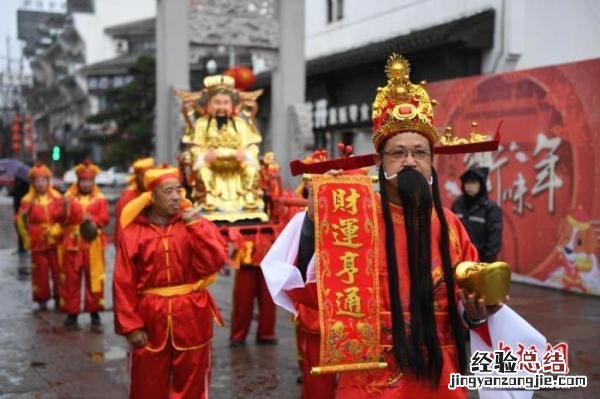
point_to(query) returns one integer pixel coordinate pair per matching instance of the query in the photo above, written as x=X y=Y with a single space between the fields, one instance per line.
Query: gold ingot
x=491 y=281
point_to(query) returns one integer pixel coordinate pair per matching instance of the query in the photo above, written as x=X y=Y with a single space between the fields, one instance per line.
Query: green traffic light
x=56 y=153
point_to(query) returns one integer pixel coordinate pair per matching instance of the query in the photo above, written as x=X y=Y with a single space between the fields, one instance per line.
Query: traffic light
x=56 y=153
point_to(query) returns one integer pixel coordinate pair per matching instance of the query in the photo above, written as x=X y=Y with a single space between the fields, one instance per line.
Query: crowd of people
x=168 y=253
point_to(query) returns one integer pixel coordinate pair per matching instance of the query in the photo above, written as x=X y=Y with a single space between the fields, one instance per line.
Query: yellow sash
x=97 y=274
x=182 y=289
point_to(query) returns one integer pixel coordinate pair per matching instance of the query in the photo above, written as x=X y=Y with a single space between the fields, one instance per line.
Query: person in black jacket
x=481 y=216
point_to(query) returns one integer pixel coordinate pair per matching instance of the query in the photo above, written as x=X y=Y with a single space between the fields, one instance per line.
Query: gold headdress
x=217 y=84
x=401 y=106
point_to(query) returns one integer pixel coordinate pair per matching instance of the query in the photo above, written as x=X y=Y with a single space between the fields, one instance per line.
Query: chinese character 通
x=351 y=304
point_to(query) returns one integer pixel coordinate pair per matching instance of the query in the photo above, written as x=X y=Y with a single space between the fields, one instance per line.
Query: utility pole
x=288 y=80
x=172 y=71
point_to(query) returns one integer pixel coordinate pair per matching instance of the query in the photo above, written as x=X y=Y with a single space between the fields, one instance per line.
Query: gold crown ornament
x=219 y=84
x=222 y=81
x=402 y=106
x=491 y=281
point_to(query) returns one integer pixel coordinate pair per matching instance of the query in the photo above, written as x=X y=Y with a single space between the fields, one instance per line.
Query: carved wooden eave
x=248 y=24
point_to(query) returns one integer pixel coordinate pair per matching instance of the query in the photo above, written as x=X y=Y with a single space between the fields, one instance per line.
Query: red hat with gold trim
x=39 y=170
x=155 y=176
x=142 y=165
x=86 y=170
x=152 y=179
x=401 y=106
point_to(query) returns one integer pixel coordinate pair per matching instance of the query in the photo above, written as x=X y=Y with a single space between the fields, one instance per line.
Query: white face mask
x=389 y=177
x=430 y=180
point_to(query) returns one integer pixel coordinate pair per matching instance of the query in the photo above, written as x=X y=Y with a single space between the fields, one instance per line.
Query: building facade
x=348 y=42
x=59 y=99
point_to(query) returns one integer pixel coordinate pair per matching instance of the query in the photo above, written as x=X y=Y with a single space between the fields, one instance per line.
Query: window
x=118 y=81
x=335 y=10
x=93 y=83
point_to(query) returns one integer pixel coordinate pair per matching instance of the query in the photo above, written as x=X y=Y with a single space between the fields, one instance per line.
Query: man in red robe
x=132 y=191
x=422 y=329
x=167 y=256
x=84 y=250
x=42 y=211
x=249 y=284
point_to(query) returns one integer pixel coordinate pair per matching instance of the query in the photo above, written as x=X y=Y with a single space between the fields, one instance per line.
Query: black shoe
x=96 y=325
x=70 y=322
x=266 y=341
x=42 y=308
x=299 y=379
x=236 y=343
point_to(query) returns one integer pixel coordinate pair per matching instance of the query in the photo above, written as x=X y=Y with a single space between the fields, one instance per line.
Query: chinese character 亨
x=481 y=362
x=348 y=266
x=348 y=229
x=350 y=306
x=344 y=201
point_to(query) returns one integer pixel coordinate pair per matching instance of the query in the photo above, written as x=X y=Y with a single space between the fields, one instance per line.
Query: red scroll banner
x=347 y=281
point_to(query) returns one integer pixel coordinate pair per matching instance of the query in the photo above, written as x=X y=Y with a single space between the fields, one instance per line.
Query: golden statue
x=220 y=157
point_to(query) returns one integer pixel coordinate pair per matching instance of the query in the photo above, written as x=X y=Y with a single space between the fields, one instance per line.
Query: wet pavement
x=39 y=359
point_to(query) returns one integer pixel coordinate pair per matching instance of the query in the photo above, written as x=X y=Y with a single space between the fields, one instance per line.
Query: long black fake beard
x=221 y=121
x=422 y=353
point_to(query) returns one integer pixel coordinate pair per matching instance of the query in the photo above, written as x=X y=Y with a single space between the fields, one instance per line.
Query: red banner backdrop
x=545 y=175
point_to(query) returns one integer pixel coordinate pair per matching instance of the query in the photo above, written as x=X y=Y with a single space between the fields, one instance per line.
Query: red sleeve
x=460 y=243
x=100 y=213
x=56 y=210
x=209 y=249
x=306 y=295
x=23 y=208
x=121 y=202
x=75 y=213
x=125 y=297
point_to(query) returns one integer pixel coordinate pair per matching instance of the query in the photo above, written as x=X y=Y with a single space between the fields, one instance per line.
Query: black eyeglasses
x=419 y=154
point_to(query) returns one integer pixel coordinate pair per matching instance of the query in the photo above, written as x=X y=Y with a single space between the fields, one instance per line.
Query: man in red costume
x=84 y=250
x=249 y=284
x=42 y=210
x=167 y=256
x=132 y=191
x=422 y=329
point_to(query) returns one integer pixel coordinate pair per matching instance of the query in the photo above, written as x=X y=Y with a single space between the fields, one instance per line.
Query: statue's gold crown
x=401 y=106
x=219 y=82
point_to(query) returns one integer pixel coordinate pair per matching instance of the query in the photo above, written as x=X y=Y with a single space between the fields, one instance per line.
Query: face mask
x=387 y=177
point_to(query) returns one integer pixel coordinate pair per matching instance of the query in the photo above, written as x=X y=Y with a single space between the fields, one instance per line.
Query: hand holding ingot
x=490 y=281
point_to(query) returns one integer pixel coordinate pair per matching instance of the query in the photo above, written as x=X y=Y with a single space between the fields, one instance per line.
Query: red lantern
x=243 y=75
x=16 y=134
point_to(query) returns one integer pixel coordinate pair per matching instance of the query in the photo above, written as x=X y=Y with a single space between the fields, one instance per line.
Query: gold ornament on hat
x=402 y=106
